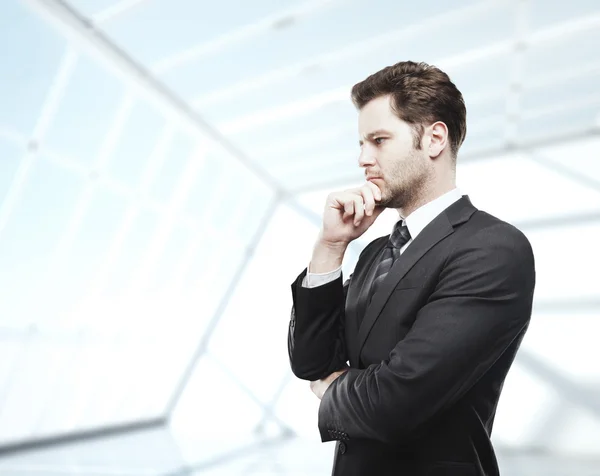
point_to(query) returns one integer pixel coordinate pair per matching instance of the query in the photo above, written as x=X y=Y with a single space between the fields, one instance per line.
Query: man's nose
x=365 y=159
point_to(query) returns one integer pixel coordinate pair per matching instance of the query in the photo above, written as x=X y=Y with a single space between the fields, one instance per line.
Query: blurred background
x=163 y=169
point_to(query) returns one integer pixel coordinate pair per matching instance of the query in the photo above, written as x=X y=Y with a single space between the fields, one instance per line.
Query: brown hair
x=421 y=94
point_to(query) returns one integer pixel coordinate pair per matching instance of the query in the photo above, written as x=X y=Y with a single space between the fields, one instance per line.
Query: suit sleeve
x=316 y=340
x=480 y=306
x=312 y=280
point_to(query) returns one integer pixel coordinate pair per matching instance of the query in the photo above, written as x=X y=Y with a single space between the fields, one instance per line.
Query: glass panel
x=64 y=395
x=13 y=347
x=158 y=369
x=291 y=119
x=82 y=120
x=577 y=156
x=178 y=151
x=309 y=37
x=91 y=7
x=134 y=232
x=118 y=367
x=540 y=15
x=181 y=18
x=525 y=406
x=578 y=331
x=10 y=160
x=151 y=452
x=90 y=233
x=549 y=398
x=202 y=426
x=298 y=407
x=560 y=275
x=576 y=45
x=26 y=73
x=141 y=135
x=90 y=363
x=28 y=389
x=160 y=265
x=265 y=363
x=33 y=231
x=532 y=189
x=579 y=430
x=574 y=118
x=576 y=90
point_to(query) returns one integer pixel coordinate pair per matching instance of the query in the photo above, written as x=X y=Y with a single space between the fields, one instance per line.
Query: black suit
x=428 y=356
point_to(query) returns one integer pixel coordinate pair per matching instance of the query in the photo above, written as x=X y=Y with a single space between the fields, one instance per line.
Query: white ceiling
x=120 y=229
x=274 y=77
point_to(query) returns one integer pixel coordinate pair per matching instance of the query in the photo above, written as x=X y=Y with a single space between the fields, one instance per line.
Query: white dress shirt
x=415 y=222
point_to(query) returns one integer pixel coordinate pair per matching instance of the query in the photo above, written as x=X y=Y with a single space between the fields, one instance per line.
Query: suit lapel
x=433 y=233
x=358 y=298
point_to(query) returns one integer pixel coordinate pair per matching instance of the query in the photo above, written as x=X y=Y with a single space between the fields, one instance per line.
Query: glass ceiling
x=159 y=161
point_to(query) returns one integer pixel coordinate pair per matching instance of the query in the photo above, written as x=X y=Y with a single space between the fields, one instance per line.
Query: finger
x=348 y=209
x=359 y=212
x=376 y=190
x=369 y=199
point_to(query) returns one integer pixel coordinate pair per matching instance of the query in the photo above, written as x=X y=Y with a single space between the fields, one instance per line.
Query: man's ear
x=438 y=139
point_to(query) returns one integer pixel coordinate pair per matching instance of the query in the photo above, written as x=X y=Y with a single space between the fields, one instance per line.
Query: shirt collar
x=423 y=215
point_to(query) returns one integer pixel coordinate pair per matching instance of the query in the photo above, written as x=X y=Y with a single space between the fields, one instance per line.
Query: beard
x=406 y=181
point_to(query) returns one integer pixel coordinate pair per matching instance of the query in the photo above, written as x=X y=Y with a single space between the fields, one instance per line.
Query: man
x=433 y=314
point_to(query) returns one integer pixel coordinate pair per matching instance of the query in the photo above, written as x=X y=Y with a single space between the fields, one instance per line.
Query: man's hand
x=350 y=213
x=320 y=386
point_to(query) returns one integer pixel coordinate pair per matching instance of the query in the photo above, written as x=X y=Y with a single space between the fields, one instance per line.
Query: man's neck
x=427 y=197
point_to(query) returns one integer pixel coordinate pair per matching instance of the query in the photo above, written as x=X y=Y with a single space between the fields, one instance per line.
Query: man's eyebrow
x=378 y=132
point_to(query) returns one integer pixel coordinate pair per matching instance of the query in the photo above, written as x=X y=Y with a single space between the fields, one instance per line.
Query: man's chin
x=393 y=202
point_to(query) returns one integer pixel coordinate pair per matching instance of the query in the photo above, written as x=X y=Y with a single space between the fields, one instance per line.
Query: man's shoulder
x=485 y=229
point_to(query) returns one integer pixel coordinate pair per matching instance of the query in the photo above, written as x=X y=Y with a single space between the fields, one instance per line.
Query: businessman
x=409 y=354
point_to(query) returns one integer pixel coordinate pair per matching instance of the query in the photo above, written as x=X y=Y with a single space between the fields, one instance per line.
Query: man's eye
x=379 y=140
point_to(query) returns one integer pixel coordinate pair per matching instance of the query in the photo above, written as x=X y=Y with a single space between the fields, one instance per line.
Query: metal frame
x=565 y=171
x=232 y=455
x=157 y=158
x=518 y=44
x=584 y=218
x=80 y=436
x=268 y=409
x=241 y=34
x=84 y=33
x=347 y=53
x=212 y=324
x=116 y=10
x=48 y=110
x=99 y=165
x=573 y=391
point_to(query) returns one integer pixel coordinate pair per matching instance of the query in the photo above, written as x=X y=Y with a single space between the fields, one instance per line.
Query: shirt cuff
x=312 y=280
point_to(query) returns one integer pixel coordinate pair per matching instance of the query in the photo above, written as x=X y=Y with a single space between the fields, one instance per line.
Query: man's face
x=388 y=152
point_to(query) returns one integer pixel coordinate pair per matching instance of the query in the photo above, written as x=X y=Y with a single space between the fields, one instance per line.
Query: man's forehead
x=378 y=107
x=373 y=117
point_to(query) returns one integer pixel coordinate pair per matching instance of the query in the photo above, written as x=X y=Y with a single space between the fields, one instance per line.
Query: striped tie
x=399 y=237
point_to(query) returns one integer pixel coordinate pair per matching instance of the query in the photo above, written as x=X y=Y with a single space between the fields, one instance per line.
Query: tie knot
x=400 y=236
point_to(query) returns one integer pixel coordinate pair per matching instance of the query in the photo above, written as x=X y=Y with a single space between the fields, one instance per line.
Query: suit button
x=342 y=447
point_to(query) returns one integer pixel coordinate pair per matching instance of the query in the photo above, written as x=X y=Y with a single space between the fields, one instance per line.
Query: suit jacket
x=428 y=354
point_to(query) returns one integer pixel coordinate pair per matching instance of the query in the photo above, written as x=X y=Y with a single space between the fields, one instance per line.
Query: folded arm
x=481 y=305
x=316 y=341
